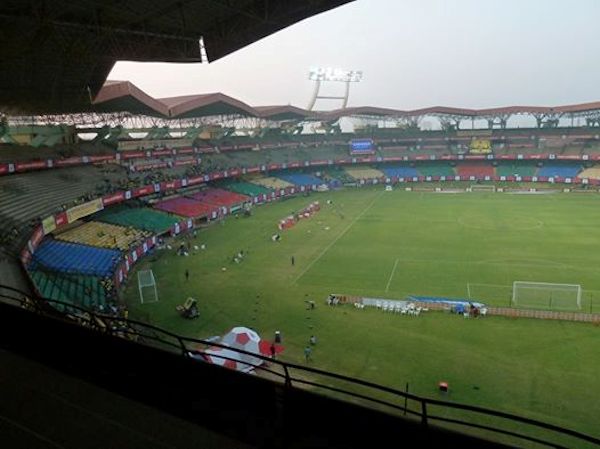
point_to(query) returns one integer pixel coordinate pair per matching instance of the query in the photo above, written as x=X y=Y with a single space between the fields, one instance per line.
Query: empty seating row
x=300 y=179
x=185 y=207
x=31 y=195
x=138 y=217
x=559 y=170
x=218 y=197
x=271 y=182
x=79 y=290
x=245 y=188
x=512 y=169
x=105 y=235
x=364 y=172
x=436 y=169
x=399 y=171
x=68 y=257
x=590 y=173
x=477 y=169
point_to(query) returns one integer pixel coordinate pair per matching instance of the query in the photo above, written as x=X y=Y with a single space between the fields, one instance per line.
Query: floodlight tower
x=329 y=74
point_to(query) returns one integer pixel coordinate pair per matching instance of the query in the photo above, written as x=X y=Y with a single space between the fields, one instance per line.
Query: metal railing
x=148 y=334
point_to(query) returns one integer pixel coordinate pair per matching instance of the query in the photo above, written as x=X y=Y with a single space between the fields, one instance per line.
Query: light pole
x=330 y=74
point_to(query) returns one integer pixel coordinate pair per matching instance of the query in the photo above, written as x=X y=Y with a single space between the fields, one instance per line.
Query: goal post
x=482 y=188
x=545 y=295
x=146 y=280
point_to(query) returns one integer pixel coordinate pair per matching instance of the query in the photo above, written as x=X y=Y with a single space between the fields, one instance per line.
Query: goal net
x=147 y=282
x=543 y=295
x=482 y=188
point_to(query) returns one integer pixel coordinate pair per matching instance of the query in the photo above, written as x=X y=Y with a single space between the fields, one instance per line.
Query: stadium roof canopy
x=280 y=113
x=56 y=55
x=461 y=113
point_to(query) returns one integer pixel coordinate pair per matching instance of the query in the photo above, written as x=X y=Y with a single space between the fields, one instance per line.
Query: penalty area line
x=346 y=229
x=387 y=287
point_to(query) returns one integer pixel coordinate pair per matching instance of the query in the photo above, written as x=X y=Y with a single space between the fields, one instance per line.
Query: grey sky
x=414 y=53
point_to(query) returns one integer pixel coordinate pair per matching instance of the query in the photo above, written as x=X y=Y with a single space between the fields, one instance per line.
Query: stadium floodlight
x=330 y=74
x=334 y=74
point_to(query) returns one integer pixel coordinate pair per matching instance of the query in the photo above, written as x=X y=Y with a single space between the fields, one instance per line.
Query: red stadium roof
x=202 y=105
x=288 y=112
x=123 y=96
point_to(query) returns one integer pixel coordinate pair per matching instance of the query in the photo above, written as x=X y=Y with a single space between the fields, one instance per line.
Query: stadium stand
x=399 y=171
x=363 y=172
x=218 y=197
x=138 y=217
x=245 y=188
x=79 y=290
x=185 y=207
x=512 y=169
x=74 y=258
x=590 y=173
x=559 y=170
x=31 y=195
x=337 y=174
x=478 y=169
x=104 y=235
x=18 y=152
x=300 y=179
x=271 y=182
x=436 y=169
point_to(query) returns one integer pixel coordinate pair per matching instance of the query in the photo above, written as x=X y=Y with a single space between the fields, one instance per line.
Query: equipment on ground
x=189 y=308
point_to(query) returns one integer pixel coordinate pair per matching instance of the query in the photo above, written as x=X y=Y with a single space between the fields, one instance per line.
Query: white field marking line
x=337 y=238
x=502 y=263
x=387 y=287
x=537 y=225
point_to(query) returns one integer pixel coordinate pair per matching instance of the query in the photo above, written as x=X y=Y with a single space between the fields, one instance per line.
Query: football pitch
x=380 y=244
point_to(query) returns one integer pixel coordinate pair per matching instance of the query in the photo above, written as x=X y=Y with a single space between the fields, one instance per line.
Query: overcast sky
x=414 y=53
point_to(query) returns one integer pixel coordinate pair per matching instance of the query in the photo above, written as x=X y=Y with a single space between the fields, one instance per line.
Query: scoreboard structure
x=362 y=146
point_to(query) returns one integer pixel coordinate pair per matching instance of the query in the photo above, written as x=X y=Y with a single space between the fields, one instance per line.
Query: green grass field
x=391 y=244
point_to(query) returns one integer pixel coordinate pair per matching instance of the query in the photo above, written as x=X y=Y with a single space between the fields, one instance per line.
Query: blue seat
x=559 y=170
x=400 y=171
x=74 y=258
x=300 y=179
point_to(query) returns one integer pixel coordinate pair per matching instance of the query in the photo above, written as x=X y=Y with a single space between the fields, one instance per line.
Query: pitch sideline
x=346 y=229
